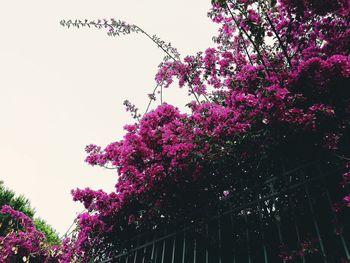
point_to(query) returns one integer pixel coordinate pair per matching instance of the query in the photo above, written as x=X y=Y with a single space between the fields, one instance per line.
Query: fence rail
x=292 y=217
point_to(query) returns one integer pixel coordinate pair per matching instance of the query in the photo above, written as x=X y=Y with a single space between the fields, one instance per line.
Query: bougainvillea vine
x=274 y=87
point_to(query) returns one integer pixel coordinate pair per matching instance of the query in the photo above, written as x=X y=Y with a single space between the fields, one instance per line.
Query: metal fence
x=292 y=217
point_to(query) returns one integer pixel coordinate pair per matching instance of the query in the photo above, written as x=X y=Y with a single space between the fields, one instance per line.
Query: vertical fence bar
x=135 y=257
x=247 y=235
x=184 y=248
x=173 y=251
x=195 y=251
x=163 y=250
x=277 y=217
x=291 y=207
x=136 y=251
x=346 y=250
x=206 y=247
x=219 y=237
x=156 y=254
x=315 y=222
x=153 y=248
x=233 y=248
x=144 y=253
x=262 y=232
x=297 y=231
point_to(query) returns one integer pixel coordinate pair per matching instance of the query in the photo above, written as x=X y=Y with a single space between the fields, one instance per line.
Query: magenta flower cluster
x=307 y=247
x=275 y=86
x=24 y=243
x=276 y=80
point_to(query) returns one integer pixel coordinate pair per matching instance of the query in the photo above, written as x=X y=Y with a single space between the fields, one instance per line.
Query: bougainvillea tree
x=274 y=88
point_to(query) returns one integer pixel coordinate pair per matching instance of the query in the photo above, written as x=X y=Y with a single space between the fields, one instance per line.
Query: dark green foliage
x=50 y=233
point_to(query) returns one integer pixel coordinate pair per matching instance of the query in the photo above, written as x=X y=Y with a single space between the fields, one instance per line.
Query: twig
x=150 y=101
x=279 y=40
x=342 y=157
x=250 y=39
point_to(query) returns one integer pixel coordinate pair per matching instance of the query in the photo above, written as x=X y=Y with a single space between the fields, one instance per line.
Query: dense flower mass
x=25 y=243
x=275 y=87
x=276 y=82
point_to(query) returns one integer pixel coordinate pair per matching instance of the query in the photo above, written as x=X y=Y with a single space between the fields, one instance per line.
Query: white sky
x=61 y=89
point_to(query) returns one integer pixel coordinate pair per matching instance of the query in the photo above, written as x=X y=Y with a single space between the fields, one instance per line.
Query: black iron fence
x=292 y=217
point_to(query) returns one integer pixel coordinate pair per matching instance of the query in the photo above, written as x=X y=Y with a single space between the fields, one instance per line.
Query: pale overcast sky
x=61 y=89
